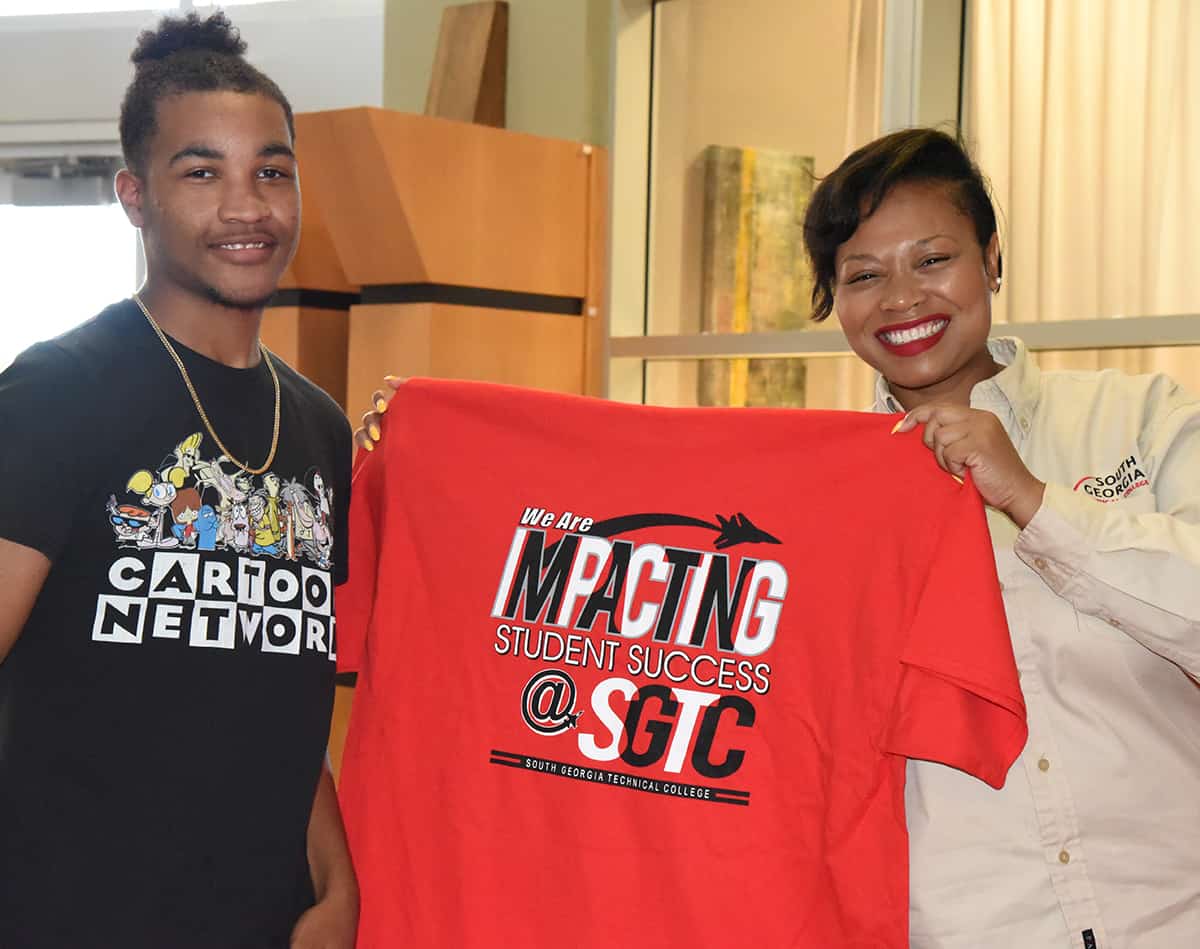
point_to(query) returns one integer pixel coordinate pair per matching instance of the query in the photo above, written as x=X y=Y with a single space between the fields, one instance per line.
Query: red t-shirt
x=641 y=676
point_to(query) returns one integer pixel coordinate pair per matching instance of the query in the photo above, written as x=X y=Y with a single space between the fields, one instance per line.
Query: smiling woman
x=38 y=246
x=913 y=287
x=1090 y=482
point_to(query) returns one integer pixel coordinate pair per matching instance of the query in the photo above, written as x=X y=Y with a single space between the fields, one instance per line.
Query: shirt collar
x=1016 y=386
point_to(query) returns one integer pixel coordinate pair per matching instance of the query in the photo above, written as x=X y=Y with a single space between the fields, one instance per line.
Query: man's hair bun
x=214 y=34
x=186 y=54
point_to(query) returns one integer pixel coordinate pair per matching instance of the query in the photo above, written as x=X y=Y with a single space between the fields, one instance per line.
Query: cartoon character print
x=133 y=526
x=206 y=525
x=192 y=503
x=233 y=531
x=195 y=522
x=185 y=508
x=324 y=495
x=307 y=519
x=160 y=489
x=300 y=519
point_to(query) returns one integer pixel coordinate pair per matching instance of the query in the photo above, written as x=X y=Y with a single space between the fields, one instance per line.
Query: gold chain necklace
x=187 y=381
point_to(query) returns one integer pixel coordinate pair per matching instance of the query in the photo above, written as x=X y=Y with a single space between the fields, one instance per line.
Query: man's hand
x=371 y=430
x=331 y=924
x=964 y=439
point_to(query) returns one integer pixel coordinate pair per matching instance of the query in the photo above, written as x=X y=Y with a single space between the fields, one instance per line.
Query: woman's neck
x=954 y=389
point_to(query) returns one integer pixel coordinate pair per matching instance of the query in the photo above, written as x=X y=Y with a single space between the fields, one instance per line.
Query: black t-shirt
x=164 y=712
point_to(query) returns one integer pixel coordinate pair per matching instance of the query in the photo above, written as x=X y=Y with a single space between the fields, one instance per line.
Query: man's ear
x=131 y=191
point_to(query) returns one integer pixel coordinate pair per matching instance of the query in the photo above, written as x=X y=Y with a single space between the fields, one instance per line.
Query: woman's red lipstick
x=913 y=336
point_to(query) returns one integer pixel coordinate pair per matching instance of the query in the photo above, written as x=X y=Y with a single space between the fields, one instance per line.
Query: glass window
x=62 y=265
x=825 y=382
x=748 y=102
x=720 y=382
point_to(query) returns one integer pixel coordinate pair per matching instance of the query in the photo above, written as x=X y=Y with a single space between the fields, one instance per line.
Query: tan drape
x=1085 y=115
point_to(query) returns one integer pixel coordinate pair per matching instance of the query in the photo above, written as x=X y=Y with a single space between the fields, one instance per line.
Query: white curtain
x=1085 y=115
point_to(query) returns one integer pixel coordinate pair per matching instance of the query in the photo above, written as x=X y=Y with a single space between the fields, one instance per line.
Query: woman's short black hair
x=856 y=188
x=186 y=54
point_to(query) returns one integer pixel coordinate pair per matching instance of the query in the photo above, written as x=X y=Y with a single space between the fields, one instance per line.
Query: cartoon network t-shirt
x=165 y=709
x=641 y=676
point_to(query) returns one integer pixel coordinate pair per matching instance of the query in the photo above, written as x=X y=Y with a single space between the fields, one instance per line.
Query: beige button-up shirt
x=1094 y=842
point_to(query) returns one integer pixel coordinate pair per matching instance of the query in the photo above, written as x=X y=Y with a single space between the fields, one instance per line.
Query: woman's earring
x=996 y=286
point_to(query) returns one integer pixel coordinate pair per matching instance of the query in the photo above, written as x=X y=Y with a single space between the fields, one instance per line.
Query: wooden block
x=470 y=68
x=316 y=265
x=313 y=342
x=343 y=702
x=427 y=200
x=595 y=301
x=754 y=272
x=539 y=350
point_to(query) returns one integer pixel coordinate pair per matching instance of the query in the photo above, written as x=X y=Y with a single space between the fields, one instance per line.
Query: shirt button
x=1024 y=424
x=1039 y=563
x=1044 y=764
x=1064 y=857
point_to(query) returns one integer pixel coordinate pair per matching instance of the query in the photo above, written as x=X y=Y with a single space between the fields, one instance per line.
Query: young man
x=166 y=657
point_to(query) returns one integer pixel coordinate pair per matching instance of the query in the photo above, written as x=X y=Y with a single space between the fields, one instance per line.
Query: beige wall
x=558 y=63
x=71 y=70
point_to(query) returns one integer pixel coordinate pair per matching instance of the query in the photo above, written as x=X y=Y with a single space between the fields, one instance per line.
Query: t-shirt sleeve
x=356 y=599
x=958 y=701
x=46 y=452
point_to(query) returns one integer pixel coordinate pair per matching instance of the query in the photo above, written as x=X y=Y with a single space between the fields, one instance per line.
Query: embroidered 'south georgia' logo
x=1128 y=477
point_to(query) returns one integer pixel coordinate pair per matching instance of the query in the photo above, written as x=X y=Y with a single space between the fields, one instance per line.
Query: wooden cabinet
x=438 y=248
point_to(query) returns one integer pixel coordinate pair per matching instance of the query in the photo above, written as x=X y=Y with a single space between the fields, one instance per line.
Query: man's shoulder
x=111 y=328
x=91 y=348
x=314 y=399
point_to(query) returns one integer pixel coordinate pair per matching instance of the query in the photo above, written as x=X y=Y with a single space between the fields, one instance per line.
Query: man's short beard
x=220 y=299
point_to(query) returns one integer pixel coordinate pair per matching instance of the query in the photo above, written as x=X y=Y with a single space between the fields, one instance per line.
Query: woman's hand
x=371 y=431
x=964 y=439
